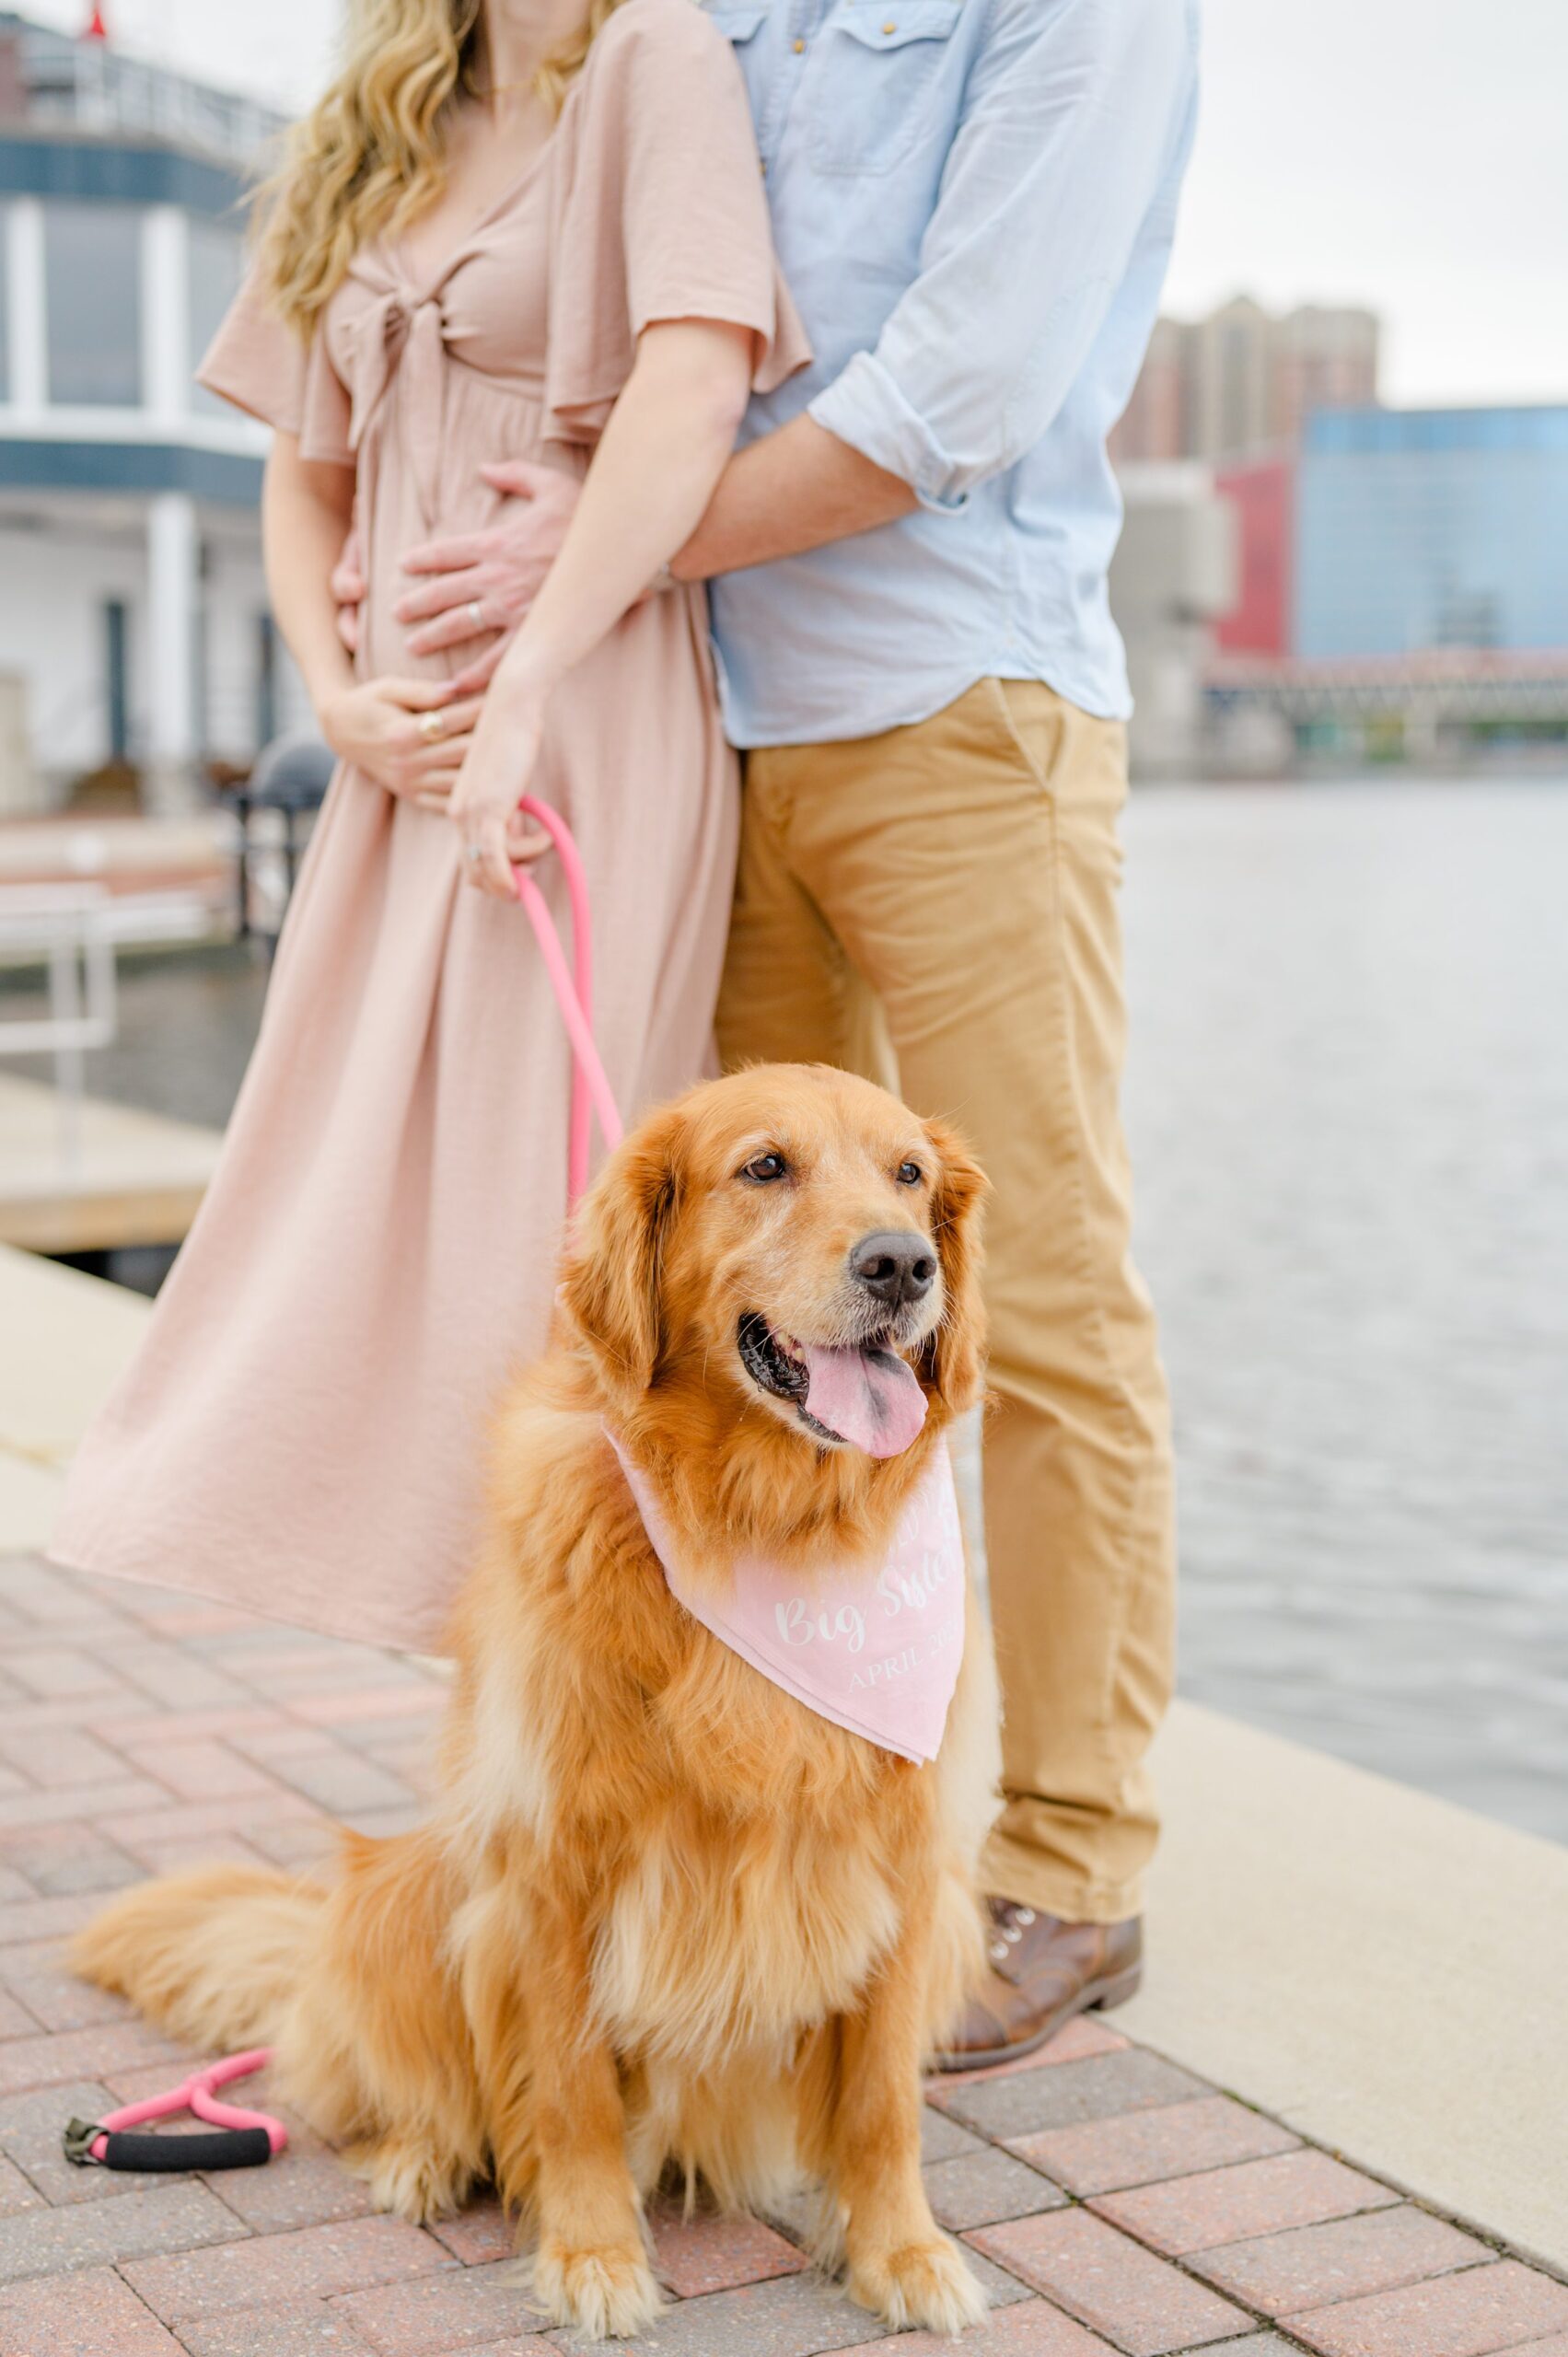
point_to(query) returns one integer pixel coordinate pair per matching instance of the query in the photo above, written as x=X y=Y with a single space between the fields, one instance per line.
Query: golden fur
x=662 y=1915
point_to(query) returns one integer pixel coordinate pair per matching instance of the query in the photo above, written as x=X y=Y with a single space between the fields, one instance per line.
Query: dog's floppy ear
x=611 y=1286
x=954 y=1356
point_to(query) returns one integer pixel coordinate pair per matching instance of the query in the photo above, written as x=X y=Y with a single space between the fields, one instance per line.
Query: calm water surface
x=1348 y=1095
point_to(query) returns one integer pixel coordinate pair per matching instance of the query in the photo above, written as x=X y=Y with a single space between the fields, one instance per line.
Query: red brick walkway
x=1111 y=2200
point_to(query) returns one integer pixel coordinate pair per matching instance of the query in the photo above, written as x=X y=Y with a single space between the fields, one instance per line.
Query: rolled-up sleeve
x=1071 y=120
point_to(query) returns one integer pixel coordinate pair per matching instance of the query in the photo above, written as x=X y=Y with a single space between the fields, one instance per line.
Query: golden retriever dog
x=664 y=1918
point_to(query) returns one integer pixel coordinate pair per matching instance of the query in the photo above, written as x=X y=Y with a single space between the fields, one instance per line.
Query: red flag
x=96 y=30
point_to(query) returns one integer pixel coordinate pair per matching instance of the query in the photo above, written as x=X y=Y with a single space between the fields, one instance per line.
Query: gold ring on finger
x=432 y=727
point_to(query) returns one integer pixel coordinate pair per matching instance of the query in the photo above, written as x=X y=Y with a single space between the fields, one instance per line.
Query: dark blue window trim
x=141 y=466
x=104 y=172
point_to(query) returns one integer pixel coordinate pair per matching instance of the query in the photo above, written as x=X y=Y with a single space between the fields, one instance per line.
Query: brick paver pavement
x=1111 y=2200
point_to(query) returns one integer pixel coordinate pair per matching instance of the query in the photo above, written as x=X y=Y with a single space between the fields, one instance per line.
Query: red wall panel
x=1264 y=497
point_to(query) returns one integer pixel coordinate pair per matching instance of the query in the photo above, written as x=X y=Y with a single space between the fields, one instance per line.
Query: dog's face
x=797 y=1237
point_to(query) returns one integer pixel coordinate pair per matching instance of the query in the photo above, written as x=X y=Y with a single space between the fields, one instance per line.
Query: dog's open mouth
x=865 y=1396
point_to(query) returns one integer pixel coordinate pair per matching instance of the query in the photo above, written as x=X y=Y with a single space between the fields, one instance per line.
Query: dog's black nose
x=894 y=1265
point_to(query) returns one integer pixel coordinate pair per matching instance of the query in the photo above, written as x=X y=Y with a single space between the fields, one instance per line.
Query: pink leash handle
x=573 y=986
x=248 y=2136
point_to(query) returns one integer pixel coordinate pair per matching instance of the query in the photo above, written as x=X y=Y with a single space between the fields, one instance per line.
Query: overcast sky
x=1407 y=154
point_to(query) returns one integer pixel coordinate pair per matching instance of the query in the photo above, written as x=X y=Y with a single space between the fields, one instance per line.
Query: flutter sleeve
x=258 y=361
x=657 y=213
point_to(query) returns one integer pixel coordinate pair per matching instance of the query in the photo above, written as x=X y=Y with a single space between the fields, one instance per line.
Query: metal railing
x=93 y=89
x=74 y=931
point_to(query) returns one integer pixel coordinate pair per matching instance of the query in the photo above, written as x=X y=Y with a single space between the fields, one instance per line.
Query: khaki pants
x=965 y=870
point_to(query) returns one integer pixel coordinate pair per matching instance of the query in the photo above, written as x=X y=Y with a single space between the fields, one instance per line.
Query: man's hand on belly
x=472 y=583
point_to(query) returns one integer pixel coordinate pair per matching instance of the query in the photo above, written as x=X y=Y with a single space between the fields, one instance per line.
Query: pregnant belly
x=401 y=521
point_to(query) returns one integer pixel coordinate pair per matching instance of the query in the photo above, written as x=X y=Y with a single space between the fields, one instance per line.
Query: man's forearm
x=792 y=490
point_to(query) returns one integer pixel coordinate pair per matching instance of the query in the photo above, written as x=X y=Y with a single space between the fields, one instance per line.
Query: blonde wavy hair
x=371 y=155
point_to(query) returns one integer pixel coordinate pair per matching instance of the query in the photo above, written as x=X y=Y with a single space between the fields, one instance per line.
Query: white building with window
x=133 y=620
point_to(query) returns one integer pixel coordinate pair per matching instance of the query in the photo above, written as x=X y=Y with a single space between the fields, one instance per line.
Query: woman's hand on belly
x=409 y=736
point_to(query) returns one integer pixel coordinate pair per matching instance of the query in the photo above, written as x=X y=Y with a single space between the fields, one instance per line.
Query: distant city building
x=1402 y=581
x=1228 y=397
x=132 y=608
x=1428 y=529
x=1243 y=380
x=1173 y=576
x=1262 y=619
x=1397 y=532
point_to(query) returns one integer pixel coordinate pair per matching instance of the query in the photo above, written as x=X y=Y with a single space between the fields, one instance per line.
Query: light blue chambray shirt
x=973 y=202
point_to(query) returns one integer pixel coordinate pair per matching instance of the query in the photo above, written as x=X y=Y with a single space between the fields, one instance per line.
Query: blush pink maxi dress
x=302 y=1432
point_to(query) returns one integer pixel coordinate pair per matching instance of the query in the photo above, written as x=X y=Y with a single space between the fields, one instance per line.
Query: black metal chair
x=291 y=775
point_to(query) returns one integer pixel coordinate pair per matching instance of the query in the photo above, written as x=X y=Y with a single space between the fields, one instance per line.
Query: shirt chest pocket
x=877 y=67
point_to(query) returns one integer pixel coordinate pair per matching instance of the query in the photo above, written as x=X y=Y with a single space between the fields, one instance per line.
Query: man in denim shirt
x=973 y=202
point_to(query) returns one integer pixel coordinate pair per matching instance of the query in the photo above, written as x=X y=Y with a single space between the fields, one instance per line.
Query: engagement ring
x=473 y=851
x=432 y=726
x=476 y=612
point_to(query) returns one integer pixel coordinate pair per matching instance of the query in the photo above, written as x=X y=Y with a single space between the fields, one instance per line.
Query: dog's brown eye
x=765 y=1168
x=909 y=1174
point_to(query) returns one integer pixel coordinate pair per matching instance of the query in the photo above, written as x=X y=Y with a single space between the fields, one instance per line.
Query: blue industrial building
x=1418 y=529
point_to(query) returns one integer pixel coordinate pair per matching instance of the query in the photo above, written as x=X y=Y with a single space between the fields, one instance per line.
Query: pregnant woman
x=510 y=229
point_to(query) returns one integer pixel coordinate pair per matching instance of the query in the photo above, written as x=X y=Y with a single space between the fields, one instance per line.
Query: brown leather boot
x=1042 y=1972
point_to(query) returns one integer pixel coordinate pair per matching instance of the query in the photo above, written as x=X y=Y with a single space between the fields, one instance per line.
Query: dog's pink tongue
x=868 y=1398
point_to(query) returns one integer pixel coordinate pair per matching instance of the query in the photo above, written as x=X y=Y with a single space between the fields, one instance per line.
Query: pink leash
x=574 y=988
x=246 y=2138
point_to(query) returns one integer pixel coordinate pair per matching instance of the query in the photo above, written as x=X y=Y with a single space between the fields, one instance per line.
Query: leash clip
x=80 y=2136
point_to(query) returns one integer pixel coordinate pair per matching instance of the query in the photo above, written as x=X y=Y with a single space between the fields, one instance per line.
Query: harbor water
x=1348 y=1097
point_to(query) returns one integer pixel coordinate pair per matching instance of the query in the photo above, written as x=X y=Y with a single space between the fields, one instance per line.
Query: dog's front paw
x=928 y=2283
x=412 y=2179
x=606 y=2292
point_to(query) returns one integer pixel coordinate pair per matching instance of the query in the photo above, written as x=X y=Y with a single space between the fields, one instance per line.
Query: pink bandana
x=874 y=1648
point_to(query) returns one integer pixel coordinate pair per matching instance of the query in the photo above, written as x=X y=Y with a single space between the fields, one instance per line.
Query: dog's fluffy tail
x=215 y=1955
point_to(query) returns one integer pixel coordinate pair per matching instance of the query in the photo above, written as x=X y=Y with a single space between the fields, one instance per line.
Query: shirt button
x=889 y=27
x=798 y=47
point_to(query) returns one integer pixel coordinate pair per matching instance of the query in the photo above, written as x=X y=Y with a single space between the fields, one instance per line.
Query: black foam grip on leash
x=226 y=2148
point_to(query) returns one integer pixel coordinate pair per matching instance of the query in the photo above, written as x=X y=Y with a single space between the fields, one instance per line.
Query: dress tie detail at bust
x=403 y=334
